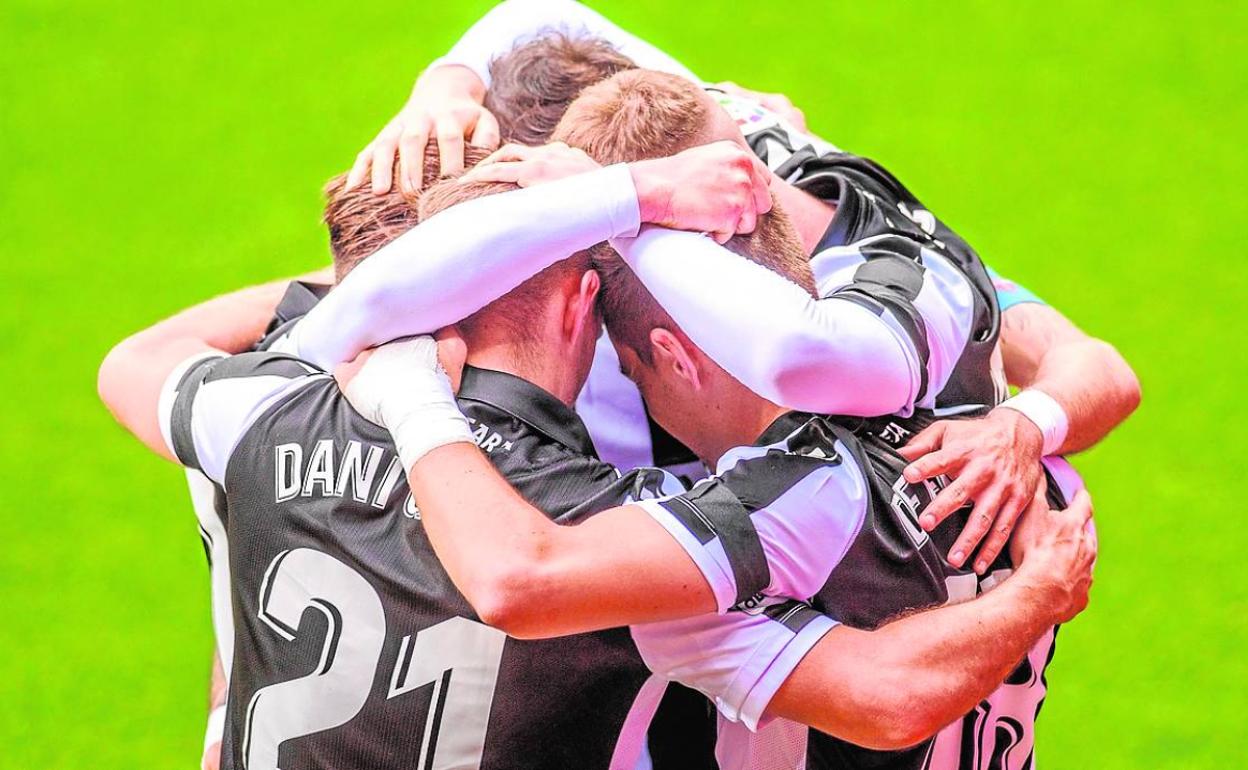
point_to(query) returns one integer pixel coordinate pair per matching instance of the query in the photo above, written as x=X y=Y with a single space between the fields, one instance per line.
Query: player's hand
x=445 y=105
x=718 y=188
x=452 y=353
x=777 y=103
x=1057 y=550
x=994 y=461
x=528 y=166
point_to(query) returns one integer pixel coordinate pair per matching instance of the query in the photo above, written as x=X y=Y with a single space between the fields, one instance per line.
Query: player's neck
x=732 y=422
x=558 y=380
x=810 y=215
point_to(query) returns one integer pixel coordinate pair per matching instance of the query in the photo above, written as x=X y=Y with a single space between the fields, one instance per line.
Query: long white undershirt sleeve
x=460 y=260
x=517 y=21
x=829 y=356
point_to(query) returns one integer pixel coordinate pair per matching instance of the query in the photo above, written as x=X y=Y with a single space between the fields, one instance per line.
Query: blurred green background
x=155 y=154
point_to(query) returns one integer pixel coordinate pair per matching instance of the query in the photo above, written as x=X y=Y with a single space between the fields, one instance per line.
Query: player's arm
x=699 y=552
x=418 y=283
x=871 y=348
x=1093 y=385
x=446 y=102
x=134 y=371
x=215 y=729
x=1075 y=390
x=897 y=685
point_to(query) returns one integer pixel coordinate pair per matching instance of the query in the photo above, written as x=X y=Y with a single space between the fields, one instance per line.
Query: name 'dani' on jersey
x=326 y=472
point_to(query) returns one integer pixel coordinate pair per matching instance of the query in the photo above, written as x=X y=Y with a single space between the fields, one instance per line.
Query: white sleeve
x=517 y=21
x=945 y=303
x=460 y=260
x=738 y=660
x=775 y=523
x=835 y=355
x=208 y=403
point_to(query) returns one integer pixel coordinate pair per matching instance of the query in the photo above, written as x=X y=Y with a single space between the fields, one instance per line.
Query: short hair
x=644 y=114
x=514 y=314
x=360 y=222
x=532 y=85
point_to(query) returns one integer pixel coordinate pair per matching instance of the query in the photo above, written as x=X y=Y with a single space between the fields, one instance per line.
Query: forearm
x=516 y=21
x=133 y=372
x=532 y=578
x=455 y=263
x=1091 y=382
x=900 y=684
x=830 y=356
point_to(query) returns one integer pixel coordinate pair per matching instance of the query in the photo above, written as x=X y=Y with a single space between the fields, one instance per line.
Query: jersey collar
x=528 y=403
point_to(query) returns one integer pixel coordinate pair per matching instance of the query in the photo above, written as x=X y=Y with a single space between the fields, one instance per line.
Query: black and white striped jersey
x=818 y=509
x=352 y=648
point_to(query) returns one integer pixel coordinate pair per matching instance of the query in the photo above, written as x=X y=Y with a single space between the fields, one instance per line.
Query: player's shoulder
x=260 y=363
x=796 y=448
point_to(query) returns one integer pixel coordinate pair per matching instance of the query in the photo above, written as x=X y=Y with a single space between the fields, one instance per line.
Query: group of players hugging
x=781 y=513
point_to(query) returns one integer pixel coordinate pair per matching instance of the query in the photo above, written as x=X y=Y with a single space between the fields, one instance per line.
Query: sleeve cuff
x=169 y=394
x=774 y=669
x=624 y=209
x=709 y=557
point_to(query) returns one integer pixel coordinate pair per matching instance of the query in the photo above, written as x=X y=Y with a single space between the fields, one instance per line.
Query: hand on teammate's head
x=445 y=106
x=719 y=188
x=529 y=166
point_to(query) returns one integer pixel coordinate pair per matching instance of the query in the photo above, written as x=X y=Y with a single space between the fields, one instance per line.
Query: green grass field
x=154 y=154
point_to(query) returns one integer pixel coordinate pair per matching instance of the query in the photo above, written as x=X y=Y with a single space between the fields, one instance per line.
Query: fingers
x=486 y=134
x=383 y=159
x=999 y=537
x=977 y=525
x=412 y=155
x=951 y=498
x=934 y=464
x=928 y=440
x=359 y=170
x=450 y=146
x=762 y=187
x=503 y=171
x=508 y=152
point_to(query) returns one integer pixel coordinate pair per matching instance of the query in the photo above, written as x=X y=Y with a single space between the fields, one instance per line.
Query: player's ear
x=580 y=310
x=670 y=351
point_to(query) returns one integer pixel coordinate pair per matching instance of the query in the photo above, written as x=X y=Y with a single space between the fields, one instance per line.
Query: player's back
x=353 y=647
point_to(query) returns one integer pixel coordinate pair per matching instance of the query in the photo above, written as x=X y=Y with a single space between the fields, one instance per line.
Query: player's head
x=532 y=85
x=547 y=327
x=640 y=114
x=361 y=222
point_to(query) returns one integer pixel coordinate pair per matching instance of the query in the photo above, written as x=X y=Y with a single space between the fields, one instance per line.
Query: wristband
x=1048 y=415
x=404 y=389
x=215 y=730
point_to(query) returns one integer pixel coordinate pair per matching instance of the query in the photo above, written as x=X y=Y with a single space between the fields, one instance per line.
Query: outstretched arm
x=134 y=371
x=465 y=257
x=863 y=351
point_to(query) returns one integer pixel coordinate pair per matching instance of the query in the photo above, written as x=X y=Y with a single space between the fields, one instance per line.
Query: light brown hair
x=360 y=222
x=643 y=114
x=532 y=85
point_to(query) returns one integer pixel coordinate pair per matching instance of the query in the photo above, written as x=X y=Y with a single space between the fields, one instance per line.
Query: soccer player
x=1077 y=388
x=317 y=520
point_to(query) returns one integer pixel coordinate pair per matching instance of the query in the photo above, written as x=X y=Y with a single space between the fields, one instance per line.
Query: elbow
x=110 y=380
x=508 y=597
x=1127 y=392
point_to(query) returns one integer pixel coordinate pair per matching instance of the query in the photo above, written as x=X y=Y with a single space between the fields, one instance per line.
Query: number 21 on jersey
x=459 y=657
